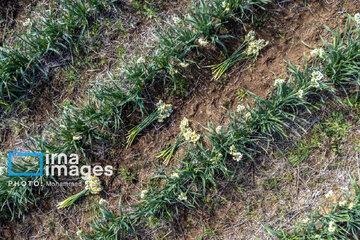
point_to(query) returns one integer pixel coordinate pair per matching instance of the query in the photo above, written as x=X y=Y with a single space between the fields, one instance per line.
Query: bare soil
x=244 y=204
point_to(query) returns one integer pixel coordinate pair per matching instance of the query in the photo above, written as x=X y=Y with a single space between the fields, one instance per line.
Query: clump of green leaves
x=111 y=226
x=55 y=31
x=17 y=193
x=341 y=63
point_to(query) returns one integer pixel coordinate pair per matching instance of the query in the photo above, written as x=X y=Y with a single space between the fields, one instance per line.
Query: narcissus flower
x=176 y=19
x=140 y=60
x=203 y=42
x=250 y=36
x=103 y=201
x=187 y=135
x=218 y=129
x=329 y=194
x=248 y=116
x=225 y=5
x=240 y=108
x=232 y=148
x=300 y=93
x=278 y=81
x=175 y=175
x=77 y=138
x=2 y=171
x=255 y=46
x=351 y=205
x=237 y=156
x=143 y=194
x=93 y=184
x=317 y=52
x=342 y=203
x=315 y=84
x=315 y=78
x=184 y=64
x=182 y=197
x=79 y=232
x=332 y=227
x=164 y=110
x=27 y=22
x=357 y=19
x=187 y=132
x=191 y=136
x=184 y=124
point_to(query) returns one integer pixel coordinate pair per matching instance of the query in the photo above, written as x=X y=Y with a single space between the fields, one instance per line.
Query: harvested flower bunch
x=162 y=111
x=92 y=185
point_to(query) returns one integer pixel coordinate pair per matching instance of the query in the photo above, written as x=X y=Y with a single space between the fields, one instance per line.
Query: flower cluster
x=317 y=52
x=140 y=60
x=315 y=78
x=218 y=129
x=278 y=81
x=329 y=194
x=357 y=19
x=236 y=155
x=188 y=133
x=248 y=116
x=300 y=93
x=93 y=184
x=255 y=45
x=191 y=136
x=184 y=64
x=175 y=175
x=2 y=171
x=332 y=226
x=225 y=5
x=184 y=124
x=143 y=194
x=342 y=203
x=182 y=197
x=250 y=36
x=176 y=19
x=164 y=110
x=240 y=108
x=28 y=22
x=77 y=138
x=203 y=42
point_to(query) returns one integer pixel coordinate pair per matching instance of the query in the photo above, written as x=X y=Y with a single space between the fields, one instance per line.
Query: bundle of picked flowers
x=92 y=185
